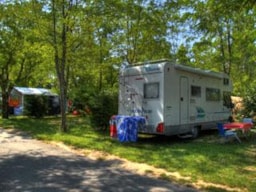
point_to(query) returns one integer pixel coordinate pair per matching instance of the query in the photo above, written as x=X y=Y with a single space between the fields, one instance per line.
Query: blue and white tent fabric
x=127 y=127
x=33 y=91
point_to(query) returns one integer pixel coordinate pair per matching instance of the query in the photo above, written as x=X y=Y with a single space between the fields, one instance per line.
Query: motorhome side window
x=212 y=94
x=151 y=90
x=195 y=91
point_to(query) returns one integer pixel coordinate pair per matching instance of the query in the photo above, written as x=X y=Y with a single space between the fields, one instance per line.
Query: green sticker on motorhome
x=200 y=112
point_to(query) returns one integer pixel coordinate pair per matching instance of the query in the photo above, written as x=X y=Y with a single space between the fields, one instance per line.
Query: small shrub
x=249 y=102
x=102 y=107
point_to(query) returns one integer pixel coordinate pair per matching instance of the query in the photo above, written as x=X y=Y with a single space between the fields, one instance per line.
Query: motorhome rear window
x=151 y=90
x=195 y=91
x=227 y=99
x=212 y=94
x=226 y=81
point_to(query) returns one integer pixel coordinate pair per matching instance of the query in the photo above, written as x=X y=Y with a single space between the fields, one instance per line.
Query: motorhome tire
x=195 y=132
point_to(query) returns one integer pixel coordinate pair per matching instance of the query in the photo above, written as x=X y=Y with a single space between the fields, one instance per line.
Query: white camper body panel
x=174 y=99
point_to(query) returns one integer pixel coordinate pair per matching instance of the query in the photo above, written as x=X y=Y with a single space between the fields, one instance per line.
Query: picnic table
x=245 y=127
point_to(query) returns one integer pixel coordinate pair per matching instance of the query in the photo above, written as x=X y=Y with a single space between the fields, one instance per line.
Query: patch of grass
x=206 y=159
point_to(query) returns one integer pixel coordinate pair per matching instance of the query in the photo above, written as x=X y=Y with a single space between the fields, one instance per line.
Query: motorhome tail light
x=160 y=128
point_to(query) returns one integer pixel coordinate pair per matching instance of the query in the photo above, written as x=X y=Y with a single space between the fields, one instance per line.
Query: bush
x=102 y=107
x=249 y=102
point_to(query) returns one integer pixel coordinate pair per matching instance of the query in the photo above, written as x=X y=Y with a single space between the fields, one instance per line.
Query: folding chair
x=247 y=120
x=226 y=134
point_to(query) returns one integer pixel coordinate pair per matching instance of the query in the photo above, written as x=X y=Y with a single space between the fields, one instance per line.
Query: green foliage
x=102 y=106
x=182 y=55
x=99 y=105
x=249 y=101
x=226 y=40
x=35 y=105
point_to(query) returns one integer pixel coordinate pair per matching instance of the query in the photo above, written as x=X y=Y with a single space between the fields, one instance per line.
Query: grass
x=221 y=167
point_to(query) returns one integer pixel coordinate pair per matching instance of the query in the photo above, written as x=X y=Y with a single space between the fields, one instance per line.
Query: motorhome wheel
x=195 y=132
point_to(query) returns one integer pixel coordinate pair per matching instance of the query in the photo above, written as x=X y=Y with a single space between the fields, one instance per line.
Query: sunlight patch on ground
x=201 y=184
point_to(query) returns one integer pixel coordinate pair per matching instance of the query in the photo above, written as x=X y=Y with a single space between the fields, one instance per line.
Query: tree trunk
x=5 y=91
x=229 y=42
x=5 y=105
x=60 y=64
x=63 y=101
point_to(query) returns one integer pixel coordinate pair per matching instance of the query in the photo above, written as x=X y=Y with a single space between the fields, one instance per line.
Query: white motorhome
x=174 y=99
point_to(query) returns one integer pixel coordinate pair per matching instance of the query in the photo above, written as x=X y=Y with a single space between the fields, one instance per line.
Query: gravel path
x=28 y=165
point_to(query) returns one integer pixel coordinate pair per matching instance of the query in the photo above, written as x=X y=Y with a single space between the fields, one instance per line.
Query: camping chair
x=226 y=134
x=247 y=120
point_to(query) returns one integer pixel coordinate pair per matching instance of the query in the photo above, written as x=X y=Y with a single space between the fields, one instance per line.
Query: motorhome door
x=184 y=101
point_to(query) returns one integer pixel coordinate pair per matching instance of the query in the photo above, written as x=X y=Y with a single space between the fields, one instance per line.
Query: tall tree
x=219 y=30
x=61 y=18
